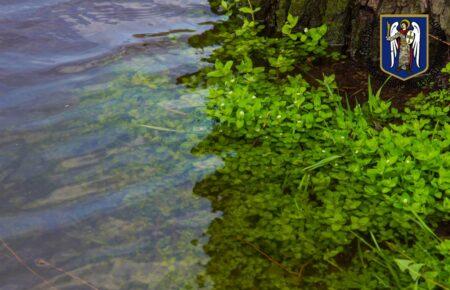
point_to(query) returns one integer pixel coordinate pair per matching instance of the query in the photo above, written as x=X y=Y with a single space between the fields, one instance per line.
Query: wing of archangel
x=416 y=43
x=394 y=44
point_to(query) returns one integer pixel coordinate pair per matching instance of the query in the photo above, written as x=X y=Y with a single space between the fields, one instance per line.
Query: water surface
x=83 y=185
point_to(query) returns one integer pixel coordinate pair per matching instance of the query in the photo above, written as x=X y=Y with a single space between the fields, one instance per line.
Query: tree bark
x=353 y=24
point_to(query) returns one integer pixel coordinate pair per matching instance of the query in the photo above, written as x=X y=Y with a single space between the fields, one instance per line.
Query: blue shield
x=404 y=45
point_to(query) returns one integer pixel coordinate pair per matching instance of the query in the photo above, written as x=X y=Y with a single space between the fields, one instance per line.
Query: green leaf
x=247 y=10
x=286 y=29
x=413 y=268
x=414 y=271
x=228 y=65
x=292 y=20
x=215 y=74
x=224 y=5
x=293 y=36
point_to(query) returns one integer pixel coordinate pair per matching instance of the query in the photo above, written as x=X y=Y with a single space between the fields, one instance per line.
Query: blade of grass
x=161 y=128
x=382 y=281
x=321 y=163
x=424 y=226
x=387 y=260
x=360 y=254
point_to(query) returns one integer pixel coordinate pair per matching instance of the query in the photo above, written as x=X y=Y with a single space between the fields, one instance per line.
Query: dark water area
x=83 y=185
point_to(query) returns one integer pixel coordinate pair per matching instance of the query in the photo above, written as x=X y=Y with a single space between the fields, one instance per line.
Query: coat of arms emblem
x=404 y=45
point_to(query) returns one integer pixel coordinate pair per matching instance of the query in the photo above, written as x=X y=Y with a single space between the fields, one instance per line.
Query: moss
x=281 y=13
x=315 y=12
x=297 y=6
x=336 y=18
x=310 y=11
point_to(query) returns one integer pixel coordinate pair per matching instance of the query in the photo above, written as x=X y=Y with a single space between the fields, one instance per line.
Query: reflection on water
x=83 y=185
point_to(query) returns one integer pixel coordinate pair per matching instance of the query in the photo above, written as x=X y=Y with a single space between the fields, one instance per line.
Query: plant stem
x=268 y=257
x=161 y=128
x=251 y=7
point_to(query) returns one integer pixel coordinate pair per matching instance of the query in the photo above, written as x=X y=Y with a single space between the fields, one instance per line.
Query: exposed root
x=25 y=265
x=274 y=261
x=44 y=263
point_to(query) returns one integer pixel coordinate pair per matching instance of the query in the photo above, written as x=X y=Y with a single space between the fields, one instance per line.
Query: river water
x=84 y=187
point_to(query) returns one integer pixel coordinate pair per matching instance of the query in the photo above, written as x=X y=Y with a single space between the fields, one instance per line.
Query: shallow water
x=83 y=185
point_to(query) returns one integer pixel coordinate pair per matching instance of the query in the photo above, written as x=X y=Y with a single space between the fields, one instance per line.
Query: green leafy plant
x=315 y=194
x=446 y=69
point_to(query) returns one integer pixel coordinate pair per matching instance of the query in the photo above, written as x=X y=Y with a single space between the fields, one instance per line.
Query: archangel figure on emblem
x=405 y=42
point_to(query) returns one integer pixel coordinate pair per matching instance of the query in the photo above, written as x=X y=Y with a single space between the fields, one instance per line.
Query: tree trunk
x=353 y=24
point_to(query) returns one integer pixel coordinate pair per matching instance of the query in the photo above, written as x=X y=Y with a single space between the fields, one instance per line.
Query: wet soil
x=352 y=78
